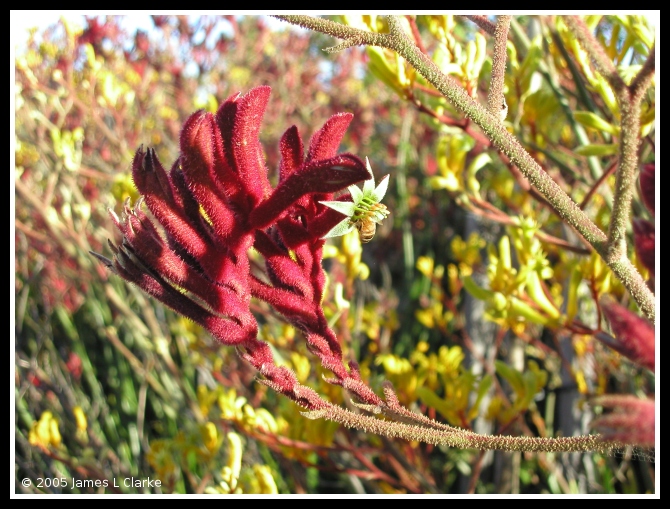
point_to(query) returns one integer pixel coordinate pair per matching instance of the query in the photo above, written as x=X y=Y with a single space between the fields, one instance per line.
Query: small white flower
x=365 y=212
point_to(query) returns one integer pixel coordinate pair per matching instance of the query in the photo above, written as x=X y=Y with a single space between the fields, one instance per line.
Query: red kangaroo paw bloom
x=634 y=335
x=217 y=202
x=631 y=420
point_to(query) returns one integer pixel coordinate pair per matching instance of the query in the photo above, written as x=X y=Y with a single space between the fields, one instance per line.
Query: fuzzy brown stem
x=643 y=79
x=459 y=438
x=626 y=177
x=496 y=99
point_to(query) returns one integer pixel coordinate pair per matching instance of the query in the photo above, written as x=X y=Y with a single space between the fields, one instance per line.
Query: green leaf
x=381 y=68
x=475 y=290
x=590 y=119
x=484 y=386
x=598 y=149
x=431 y=399
x=513 y=377
x=519 y=308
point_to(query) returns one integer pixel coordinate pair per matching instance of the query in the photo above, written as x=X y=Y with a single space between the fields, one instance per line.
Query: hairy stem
x=458 y=438
x=626 y=177
x=642 y=81
x=496 y=98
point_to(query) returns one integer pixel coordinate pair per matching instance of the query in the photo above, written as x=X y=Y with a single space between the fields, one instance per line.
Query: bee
x=367 y=222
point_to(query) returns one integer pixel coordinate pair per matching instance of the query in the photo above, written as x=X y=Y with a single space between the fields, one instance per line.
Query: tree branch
x=398 y=41
x=615 y=253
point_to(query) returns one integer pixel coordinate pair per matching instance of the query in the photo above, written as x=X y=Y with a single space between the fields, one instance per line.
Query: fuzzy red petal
x=291 y=150
x=239 y=119
x=634 y=336
x=197 y=163
x=631 y=421
x=322 y=176
x=152 y=182
x=326 y=141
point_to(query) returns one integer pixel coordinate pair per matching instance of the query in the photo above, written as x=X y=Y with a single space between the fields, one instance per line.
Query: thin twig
x=427 y=486
x=415 y=33
x=476 y=472
x=596 y=185
x=499 y=216
x=643 y=78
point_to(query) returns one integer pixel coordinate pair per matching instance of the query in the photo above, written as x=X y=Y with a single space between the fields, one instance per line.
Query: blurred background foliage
x=468 y=299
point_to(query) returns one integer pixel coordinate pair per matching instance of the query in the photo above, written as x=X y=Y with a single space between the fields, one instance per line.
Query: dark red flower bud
x=157 y=190
x=199 y=138
x=645 y=244
x=648 y=186
x=631 y=421
x=150 y=177
x=634 y=337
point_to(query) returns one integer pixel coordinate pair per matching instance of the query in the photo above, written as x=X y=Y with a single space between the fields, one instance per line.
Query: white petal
x=343 y=207
x=368 y=167
x=341 y=228
x=356 y=194
x=380 y=191
x=368 y=185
